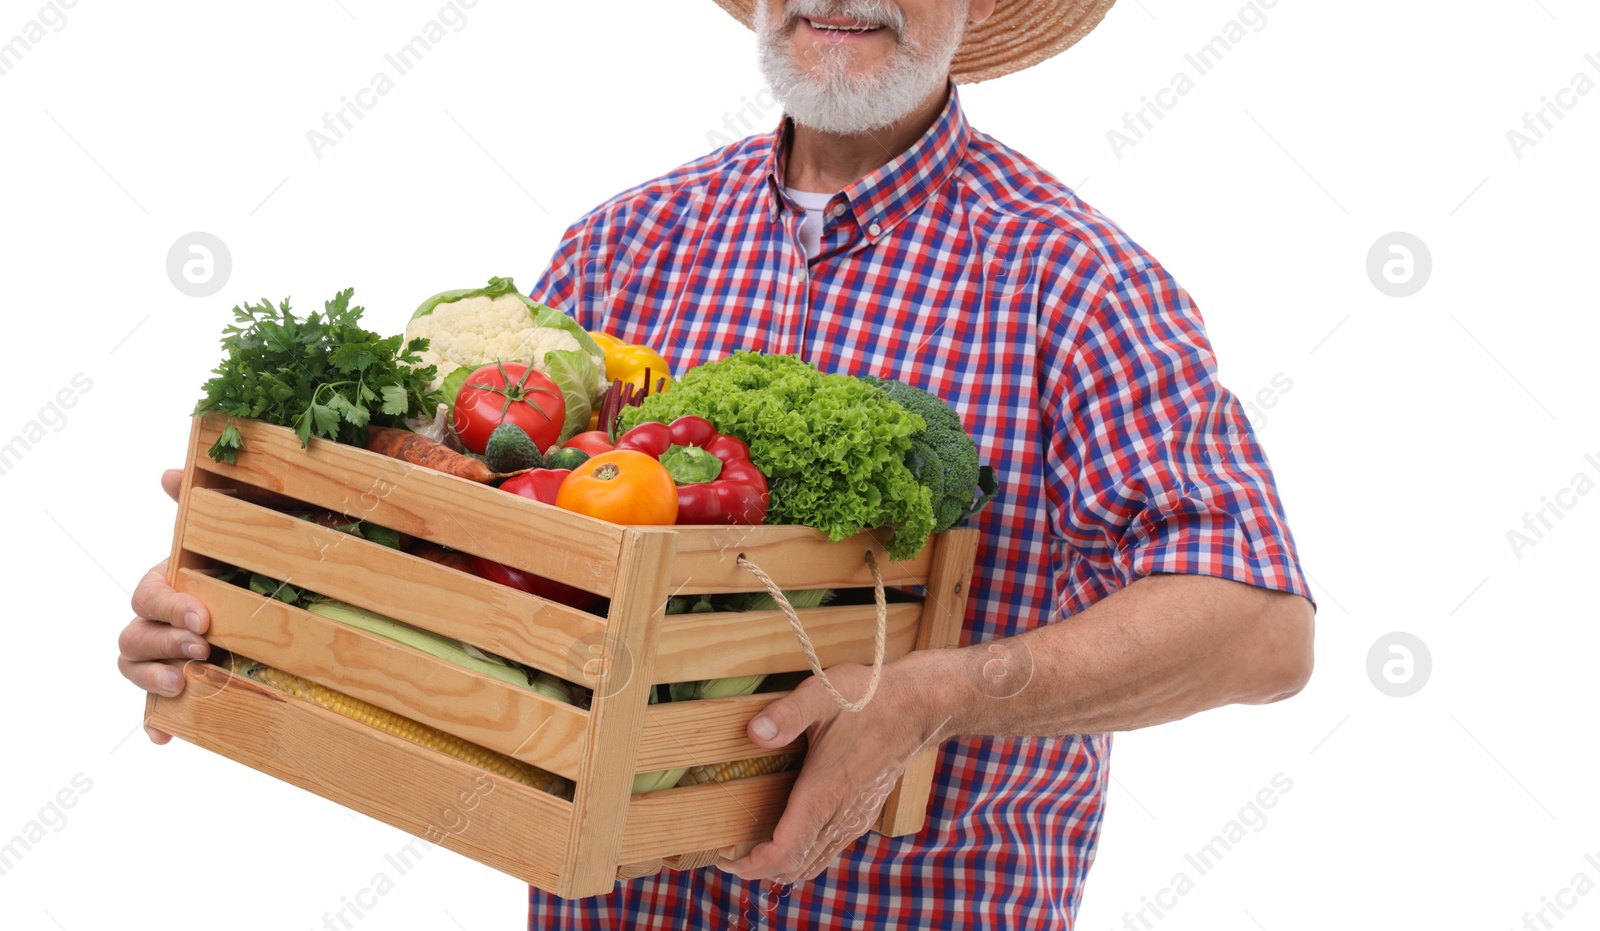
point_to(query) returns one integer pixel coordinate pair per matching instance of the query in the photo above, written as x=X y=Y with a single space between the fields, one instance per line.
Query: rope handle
x=805 y=640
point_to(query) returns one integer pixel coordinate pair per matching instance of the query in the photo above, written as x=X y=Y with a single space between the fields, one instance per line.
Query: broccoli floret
x=942 y=457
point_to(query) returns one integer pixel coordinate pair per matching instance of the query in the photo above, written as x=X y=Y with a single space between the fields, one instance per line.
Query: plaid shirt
x=1084 y=373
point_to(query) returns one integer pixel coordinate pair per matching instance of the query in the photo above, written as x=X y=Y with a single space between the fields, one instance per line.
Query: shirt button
x=874 y=229
x=838 y=210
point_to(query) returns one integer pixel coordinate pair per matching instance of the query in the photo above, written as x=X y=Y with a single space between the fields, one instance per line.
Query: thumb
x=172 y=482
x=785 y=720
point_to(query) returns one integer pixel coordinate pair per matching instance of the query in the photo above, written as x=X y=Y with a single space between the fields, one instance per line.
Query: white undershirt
x=815 y=206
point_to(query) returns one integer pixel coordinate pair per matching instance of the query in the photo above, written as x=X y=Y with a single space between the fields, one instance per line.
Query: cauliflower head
x=472 y=328
x=475 y=331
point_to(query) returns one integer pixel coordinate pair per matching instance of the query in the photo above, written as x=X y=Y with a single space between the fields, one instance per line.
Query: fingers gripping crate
x=575 y=846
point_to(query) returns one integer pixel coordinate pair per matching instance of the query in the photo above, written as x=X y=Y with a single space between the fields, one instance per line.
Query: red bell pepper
x=717 y=484
x=540 y=485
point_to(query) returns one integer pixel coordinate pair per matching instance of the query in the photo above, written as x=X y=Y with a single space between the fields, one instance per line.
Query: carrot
x=419 y=450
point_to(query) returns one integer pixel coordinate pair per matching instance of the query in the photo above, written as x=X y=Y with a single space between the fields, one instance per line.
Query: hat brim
x=1019 y=34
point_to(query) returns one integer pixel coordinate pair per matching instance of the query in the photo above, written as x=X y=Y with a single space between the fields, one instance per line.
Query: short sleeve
x=1151 y=464
x=559 y=286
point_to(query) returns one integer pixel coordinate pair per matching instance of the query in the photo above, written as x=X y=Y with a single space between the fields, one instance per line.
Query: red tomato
x=509 y=392
x=593 y=442
x=649 y=438
x=624 y=486
x=690 y=430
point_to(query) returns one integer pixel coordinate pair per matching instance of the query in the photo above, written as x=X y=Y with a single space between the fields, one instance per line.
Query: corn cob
x=389 y=722
x=722 y=772
x=446 y=648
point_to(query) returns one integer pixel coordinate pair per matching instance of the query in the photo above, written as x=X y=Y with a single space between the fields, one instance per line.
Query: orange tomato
x=623 y=486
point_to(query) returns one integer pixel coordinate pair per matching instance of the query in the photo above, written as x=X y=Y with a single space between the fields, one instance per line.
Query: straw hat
x=1020 y=34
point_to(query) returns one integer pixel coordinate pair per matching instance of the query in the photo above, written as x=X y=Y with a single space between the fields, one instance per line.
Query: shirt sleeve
x=1151 y=464
x=560 y=285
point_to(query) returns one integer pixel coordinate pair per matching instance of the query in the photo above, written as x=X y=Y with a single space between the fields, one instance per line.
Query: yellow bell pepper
x=629 y=362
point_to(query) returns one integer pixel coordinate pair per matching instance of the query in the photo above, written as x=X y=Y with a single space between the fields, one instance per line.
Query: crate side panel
x=944 y=610
x=510 y=827
x=485 y=614
x=795 y=557
x=516 y=721
x=746 y=643
x=705 y=817
x=616 y=717
x=447 y=510
x=703 y=732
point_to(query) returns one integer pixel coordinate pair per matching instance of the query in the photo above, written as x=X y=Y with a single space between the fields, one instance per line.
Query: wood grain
x=450 y=511
x=708 y=731
x=616 y=716
x=391 y=583
x=746 y=643
x=704 y=817
x=511 y=827
x=513 y=720
x=795 y=557
x=944 y=611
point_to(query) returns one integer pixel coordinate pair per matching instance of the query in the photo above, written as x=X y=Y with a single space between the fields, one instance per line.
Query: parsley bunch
x=324 y=376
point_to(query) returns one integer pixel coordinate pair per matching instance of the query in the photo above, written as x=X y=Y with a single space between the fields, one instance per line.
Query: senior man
x=1137 y=567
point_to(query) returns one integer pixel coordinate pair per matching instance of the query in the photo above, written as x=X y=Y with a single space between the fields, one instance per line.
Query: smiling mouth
x=842 y=28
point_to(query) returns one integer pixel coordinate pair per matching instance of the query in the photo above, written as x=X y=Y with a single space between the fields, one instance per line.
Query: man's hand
x=851 y=765
x=168 y=626
x=1161 y=649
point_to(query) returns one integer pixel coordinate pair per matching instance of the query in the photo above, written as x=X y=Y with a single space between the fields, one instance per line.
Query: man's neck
x=826 y=163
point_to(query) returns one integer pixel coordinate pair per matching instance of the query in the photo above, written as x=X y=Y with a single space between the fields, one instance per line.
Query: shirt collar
x=881 y=200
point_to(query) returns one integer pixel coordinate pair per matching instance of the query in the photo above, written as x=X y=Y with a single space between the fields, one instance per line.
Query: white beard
x=834 y=101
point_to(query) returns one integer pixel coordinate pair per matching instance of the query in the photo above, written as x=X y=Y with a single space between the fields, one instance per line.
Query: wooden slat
x=745 y=643
x=704 y=817
x=447 y=601
x=616 y=717
x=505 y=825
x=425 y=503
x=944 y=611
x=795 y=557
x=681 y=862
x=708 y=731
x=504 y=717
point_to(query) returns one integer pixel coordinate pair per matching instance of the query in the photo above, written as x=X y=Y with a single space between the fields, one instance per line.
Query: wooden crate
x=575 y=847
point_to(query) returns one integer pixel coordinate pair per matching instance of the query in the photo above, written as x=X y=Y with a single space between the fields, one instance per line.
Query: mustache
x=867 y=11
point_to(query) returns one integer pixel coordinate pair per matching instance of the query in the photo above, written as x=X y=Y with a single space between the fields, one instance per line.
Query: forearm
x=1161 y=649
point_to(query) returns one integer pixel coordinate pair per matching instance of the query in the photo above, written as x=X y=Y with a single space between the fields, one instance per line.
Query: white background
x=1417 y=432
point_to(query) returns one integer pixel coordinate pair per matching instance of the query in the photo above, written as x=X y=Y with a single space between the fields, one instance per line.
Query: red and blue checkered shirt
x=1084 y=373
